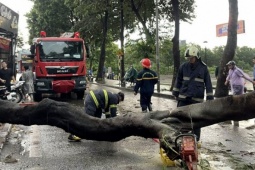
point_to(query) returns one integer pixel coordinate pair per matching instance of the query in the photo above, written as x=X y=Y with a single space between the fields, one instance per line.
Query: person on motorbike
x=6 y=75
x=131 y=75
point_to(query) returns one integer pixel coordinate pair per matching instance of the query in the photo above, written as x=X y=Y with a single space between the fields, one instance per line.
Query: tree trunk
x=229 y=51
x=159 y=124
x=151 y=125
x=100 y=73
x=175 y=40
x=122 y=67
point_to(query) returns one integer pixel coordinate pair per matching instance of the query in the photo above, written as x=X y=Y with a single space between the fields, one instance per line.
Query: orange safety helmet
x=146 y=63
x=76 y=35
x=43 y=34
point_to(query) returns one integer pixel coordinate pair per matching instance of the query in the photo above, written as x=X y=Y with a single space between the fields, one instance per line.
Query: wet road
x=45 y=147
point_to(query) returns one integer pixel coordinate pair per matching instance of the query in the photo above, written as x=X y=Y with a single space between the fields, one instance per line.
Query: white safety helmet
x=231 y=63
x=192 y=51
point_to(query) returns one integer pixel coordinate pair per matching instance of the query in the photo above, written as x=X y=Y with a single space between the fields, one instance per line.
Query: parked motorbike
x=90 y=77
x=5 y=95
x=16 y=89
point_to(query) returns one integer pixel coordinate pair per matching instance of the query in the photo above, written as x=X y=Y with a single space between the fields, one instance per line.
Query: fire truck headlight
x=40 y=84
x=83 y=82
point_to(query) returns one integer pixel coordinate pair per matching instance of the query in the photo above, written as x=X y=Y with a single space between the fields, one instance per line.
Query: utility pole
x=122 y=68
x=157 y=48
x=205 y=52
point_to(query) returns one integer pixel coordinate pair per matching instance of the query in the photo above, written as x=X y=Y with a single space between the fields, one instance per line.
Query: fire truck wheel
x=80 y=95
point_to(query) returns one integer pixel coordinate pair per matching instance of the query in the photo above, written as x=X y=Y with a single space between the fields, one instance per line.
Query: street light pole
x=205 y=52
x=157 y=48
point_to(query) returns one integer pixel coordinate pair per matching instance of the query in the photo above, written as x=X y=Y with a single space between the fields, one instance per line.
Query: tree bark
x=100 y=73
x=151 y=125
x=229 y=51
x=175 y=40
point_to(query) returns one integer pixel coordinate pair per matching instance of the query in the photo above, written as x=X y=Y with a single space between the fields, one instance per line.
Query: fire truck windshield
x=61 y=51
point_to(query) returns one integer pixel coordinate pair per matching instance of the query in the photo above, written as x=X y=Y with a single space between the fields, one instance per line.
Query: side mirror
x=32 y=49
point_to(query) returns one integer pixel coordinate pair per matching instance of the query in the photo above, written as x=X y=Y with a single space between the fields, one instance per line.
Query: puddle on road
x=216 y=164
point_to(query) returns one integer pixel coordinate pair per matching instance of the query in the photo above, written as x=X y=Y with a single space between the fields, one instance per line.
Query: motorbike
x=16 y=90
x=90 y=77
x=5 y=95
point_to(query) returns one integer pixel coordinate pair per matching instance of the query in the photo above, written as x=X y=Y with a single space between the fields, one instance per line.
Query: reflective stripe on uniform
x=199 y=80
x=96 y=101
x=193 y=98
x=209 y=94
x=113 y=105
x=186 y=78
x=182 y=96
x=106 y=98
x=176 y=89
x=197 y=99
x=94 y=98
x=107 y=113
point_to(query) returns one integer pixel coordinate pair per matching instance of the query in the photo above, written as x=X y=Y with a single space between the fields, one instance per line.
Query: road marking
x=35 y=143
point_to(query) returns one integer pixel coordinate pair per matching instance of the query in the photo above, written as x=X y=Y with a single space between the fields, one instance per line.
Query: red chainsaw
x=188 y=150
x=185 y=149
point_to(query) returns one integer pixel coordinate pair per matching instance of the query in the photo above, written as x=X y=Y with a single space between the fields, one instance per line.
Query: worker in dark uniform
x=146 y=80
x=192 y=80
x=98 y=102
x=102 y=101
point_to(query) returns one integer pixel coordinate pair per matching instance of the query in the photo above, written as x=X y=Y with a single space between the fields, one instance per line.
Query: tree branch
x=157 y=124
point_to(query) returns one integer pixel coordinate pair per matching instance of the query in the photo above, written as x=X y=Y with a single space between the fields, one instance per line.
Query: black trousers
x=196 y=131
x=145 y=101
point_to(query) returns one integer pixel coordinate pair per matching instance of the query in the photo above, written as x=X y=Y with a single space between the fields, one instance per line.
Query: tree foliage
x=229 y=51
x=89 y=18
x=51 y=16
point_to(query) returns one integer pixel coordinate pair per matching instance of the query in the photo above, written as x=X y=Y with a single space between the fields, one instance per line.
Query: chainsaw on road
x=184 y=149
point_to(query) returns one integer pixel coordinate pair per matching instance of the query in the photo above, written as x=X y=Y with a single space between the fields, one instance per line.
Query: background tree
x=20 y=41
x=51 y=16
x=229 y=51
x=177 y=10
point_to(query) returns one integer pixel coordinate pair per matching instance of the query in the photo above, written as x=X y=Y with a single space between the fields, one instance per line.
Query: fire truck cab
x=59 y=64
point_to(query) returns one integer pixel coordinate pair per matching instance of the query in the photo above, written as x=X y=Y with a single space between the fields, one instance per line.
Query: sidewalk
x=163 y=92
x=4 y=131
x=165 y=83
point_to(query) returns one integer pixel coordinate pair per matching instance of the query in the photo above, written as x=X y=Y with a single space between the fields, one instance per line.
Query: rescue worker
x=100 y=101
x=146 y=80
x=192 y=80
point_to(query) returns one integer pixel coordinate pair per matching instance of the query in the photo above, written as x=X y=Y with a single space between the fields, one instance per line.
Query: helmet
x=231 y=63
x=192 y=51
x=43 y=34
x=146 y=63
x=122 y=96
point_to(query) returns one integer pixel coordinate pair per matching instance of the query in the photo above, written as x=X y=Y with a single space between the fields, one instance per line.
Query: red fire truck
x=59 y=64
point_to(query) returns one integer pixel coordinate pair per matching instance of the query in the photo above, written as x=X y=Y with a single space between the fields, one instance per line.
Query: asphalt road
x=225 y=146
x=46 y=147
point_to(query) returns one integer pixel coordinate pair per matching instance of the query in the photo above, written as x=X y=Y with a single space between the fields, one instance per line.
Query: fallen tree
x=157 y=124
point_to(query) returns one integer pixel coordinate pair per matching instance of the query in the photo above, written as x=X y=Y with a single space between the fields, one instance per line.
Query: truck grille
x=61 y=70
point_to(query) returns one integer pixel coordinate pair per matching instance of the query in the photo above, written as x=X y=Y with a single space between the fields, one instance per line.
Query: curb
x=156 y=94
x=4 y=133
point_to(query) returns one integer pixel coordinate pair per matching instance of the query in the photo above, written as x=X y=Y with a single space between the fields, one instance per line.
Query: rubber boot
x=150 y=108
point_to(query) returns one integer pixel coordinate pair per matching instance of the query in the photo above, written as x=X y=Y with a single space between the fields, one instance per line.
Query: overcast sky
x=213 y=12
x=209 y=13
